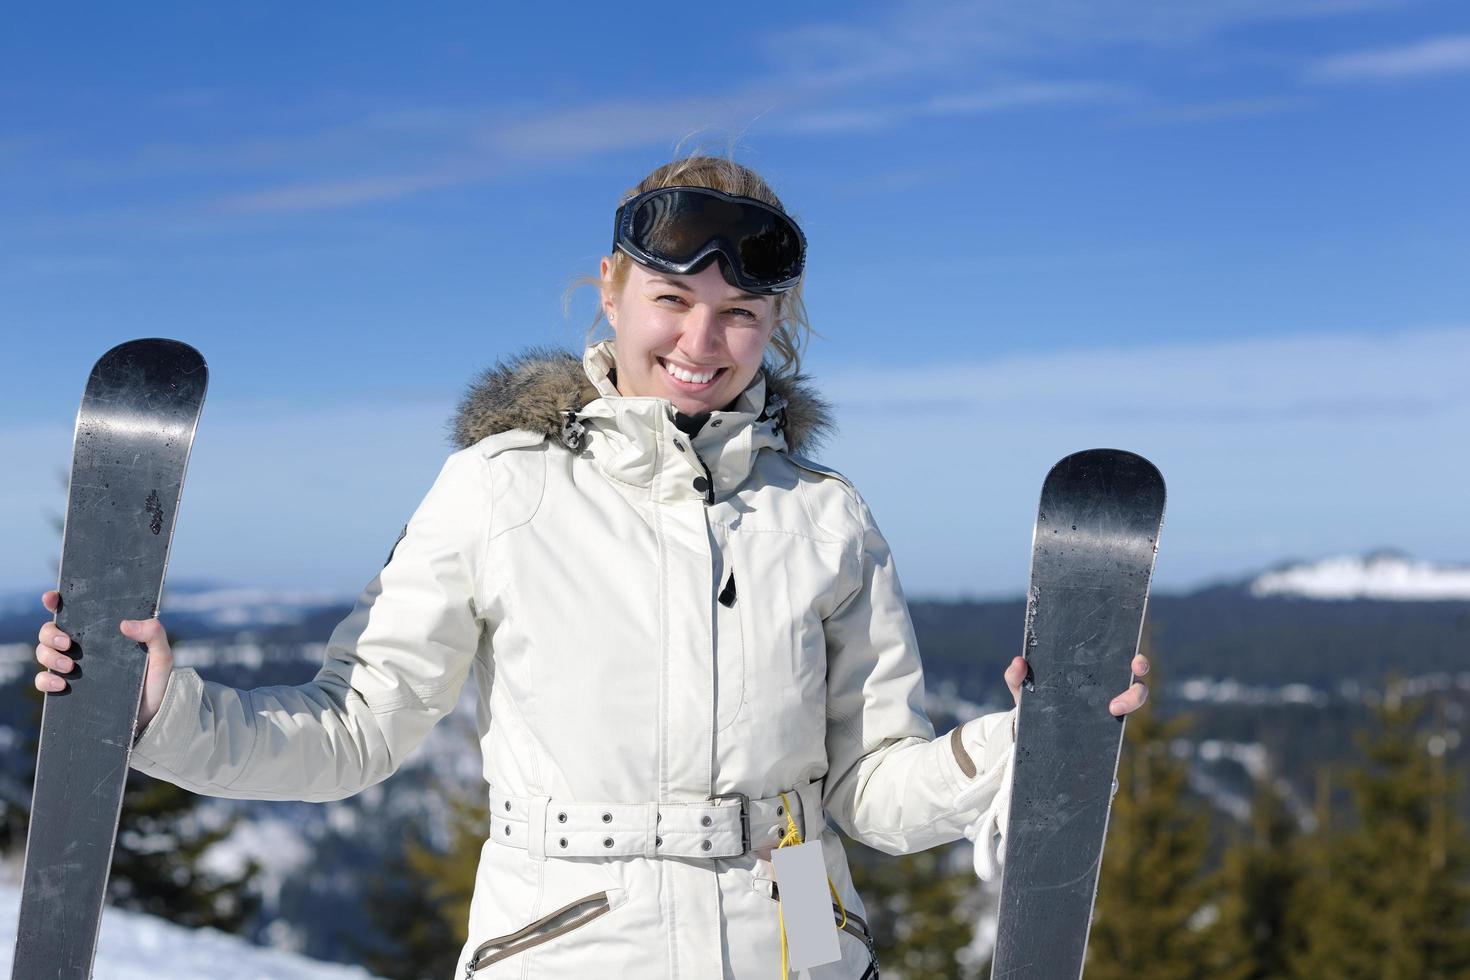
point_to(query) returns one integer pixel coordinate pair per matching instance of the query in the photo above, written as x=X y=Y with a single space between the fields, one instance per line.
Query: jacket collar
x=574 y=403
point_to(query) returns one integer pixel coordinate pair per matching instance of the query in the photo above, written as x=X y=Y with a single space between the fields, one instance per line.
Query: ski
x=133 y=434
x=1097 y=532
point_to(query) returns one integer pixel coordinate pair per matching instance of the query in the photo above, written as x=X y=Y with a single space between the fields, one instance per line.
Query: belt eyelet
x=705 y=846
x=607 y=842
x=705 y=821
x=607 y=818
x=563 y=842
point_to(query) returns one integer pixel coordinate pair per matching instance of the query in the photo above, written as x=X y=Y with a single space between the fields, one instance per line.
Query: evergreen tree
x=1391 y=897
x=16 y=787
x=419 y=902
x=919 y=909
x=1151 y=888
x=1262 y=875
x=156 y=865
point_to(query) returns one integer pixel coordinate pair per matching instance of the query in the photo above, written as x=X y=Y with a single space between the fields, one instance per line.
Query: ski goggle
x=679 y=229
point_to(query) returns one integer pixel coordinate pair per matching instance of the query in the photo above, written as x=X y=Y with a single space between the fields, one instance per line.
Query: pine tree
x=1151 y=890
x=919 y=909
x=156 y=866
x=162 y=836
x=420 y=901
x=1262 y=873
x=16 y=787
x=1391 y=899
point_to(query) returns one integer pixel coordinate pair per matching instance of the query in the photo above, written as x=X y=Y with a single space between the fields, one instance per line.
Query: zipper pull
x=727 y=594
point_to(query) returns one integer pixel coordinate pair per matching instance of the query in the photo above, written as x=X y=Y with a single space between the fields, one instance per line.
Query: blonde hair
x=793 y=330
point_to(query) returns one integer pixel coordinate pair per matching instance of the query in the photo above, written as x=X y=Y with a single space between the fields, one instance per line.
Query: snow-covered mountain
x=227 y=605
x=1380 y=575
x=142 y=947
x=203 y=608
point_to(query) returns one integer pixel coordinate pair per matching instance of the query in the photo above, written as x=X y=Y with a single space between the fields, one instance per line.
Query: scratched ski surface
x=134 y=431
x=1093 y=556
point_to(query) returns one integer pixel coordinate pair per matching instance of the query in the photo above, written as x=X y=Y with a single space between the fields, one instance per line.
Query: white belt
x=724 y=826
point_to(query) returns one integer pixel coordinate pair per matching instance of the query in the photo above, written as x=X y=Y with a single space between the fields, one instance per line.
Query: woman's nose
x=701 y=330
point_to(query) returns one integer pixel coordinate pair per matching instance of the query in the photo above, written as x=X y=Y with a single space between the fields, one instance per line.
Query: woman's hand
x=1129 y=701
x=50 y=653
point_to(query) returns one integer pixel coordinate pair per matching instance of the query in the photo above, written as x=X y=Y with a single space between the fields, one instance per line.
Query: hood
x=537 y=388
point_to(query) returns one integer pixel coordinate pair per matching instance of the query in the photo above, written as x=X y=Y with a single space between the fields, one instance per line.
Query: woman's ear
x=608 y=302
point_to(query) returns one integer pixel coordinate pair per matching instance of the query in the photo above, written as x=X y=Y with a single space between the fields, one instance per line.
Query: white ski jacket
x=667 y=635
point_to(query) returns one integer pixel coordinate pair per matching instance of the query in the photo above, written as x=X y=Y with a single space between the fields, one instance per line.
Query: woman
x=690 y=639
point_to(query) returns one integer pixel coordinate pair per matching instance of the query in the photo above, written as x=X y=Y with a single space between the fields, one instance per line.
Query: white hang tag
x=806 y=905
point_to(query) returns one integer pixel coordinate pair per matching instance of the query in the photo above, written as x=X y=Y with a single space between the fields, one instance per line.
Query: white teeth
x=684 y=375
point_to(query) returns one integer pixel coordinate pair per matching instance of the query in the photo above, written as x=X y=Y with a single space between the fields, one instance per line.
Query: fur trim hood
x=541 y=387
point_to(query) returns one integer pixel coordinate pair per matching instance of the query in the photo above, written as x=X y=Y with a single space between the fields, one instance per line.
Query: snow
x=218 y=604
x=142 y=947
x=15 y=660
x=276 y=846
x=227 y=605
x=1383 y=575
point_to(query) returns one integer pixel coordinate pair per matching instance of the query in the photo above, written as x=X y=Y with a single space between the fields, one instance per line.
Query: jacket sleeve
x=890 y=783
x=392 y=669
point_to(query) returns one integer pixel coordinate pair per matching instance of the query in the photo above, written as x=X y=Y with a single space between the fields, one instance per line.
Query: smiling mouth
x=690 y=380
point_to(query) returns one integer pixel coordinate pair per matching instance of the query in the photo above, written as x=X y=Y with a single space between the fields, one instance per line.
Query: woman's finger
x=52 y=660
x=1130 y=700
x=49 y=683
x=147 y=631
x=1016 y=676
x=52 y=636
x=1140 y=665
x=51 y=600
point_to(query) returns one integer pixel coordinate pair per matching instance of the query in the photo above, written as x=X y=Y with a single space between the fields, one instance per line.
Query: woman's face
x=695 y=340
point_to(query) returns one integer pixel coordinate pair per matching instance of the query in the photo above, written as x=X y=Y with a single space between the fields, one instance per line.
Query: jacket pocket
x=729 y=656
x=571 y=916
x=855 y=926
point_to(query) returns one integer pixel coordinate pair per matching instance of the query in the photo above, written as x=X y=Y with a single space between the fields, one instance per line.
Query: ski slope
x=141 y=947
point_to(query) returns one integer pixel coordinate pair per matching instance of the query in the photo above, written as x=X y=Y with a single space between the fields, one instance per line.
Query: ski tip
x=154 y=356
x=154 y=347
x=1119 y=461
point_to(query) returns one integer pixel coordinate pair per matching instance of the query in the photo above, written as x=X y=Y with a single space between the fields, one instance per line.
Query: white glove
x=987 y=831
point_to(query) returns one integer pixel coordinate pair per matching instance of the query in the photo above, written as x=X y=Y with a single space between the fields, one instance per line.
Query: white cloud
x=321 y=195
x=1433 y=56
x=1292 y=378
x=922 y=37
x=817 y=78
x=277 y=493
x=1213 y=111
x=1273 y=448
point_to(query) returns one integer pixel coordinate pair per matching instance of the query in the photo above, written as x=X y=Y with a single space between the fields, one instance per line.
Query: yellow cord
x=793 y=836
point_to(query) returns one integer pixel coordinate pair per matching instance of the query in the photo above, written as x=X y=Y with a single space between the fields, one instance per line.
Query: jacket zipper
x=709 y=479
x=548 y=927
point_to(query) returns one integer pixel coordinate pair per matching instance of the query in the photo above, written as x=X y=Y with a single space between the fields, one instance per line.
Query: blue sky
x=1232 y=236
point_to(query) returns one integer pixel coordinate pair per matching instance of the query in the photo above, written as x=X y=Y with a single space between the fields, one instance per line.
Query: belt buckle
x=744 y=818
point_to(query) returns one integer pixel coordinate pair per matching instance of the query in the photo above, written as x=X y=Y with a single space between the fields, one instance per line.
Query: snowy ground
x=140 y=947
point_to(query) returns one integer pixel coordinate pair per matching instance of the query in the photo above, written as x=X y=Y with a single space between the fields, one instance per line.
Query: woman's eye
x=676 y=299
x=744 y=312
